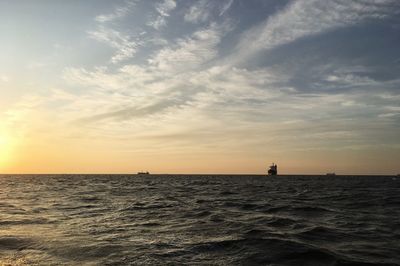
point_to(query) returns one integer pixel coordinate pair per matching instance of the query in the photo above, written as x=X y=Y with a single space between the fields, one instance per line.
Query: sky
x=207 y=86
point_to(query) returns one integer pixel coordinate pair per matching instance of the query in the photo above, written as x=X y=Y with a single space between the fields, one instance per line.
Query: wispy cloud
x=123 y=44
x=203 y=10
x=199 y=12
x=187 y=74
x=190 y=52
x=179 y=75
x=309 y=17
x=119 y=12
x=163 y=10
x=225 y=7
x=165 y=7
x=350 y=80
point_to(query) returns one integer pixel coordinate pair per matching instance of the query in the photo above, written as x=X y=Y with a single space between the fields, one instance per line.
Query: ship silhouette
x=273 y=169
x=143 y=173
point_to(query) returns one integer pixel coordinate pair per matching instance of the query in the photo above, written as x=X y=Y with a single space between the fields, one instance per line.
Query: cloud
x=182 y=88
x=350 y=80
x=255 y=107
x=123 y=44
x=198 y=12
x=309 y=17
x=225 y=7
x=158 y=22
x=203 y=10
x=128 y=77
x=185 y=80
x=119 y=12
x=190 y=52
x=163 y=9
x=132 y=112
x=146 y=91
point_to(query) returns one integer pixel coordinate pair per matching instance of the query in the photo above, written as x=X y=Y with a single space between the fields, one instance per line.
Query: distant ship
x=143 y=173
x=273 y=169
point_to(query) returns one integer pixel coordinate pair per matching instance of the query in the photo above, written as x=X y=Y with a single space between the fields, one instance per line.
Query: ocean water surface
x=199 y=220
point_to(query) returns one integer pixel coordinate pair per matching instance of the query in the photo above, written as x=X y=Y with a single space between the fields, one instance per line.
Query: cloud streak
x=198 y=12
x=190 y=52
x=163 y=9
x=123 y=44
x=119 y=12
x=204 y=10
x=310 y=17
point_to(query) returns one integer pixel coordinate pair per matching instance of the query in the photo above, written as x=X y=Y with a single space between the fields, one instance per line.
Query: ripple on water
x=203 y=220
x=15 y=243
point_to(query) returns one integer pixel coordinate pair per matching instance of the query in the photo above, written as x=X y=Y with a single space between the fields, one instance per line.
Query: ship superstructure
x=273 y=169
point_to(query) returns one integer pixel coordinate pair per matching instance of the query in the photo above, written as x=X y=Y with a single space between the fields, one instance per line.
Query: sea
x=199 y=220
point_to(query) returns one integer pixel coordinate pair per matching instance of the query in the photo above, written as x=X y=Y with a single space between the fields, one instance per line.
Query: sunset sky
x=208 y=86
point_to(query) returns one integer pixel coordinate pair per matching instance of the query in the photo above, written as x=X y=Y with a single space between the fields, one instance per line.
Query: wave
x=263 y=251
x=26 y=221
x=15 y=243
x=282 y=222
x=200 y=220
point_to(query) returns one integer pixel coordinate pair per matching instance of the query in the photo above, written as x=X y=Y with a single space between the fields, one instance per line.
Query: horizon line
x=203 y=174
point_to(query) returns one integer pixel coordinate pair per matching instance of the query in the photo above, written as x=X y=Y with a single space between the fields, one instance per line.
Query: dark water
x=199 y=220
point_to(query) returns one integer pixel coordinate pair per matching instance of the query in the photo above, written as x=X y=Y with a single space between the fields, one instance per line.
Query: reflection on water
x=210 y=220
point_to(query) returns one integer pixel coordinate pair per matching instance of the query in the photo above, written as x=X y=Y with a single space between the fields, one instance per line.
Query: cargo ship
x=143 y=173
x=273 y=169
